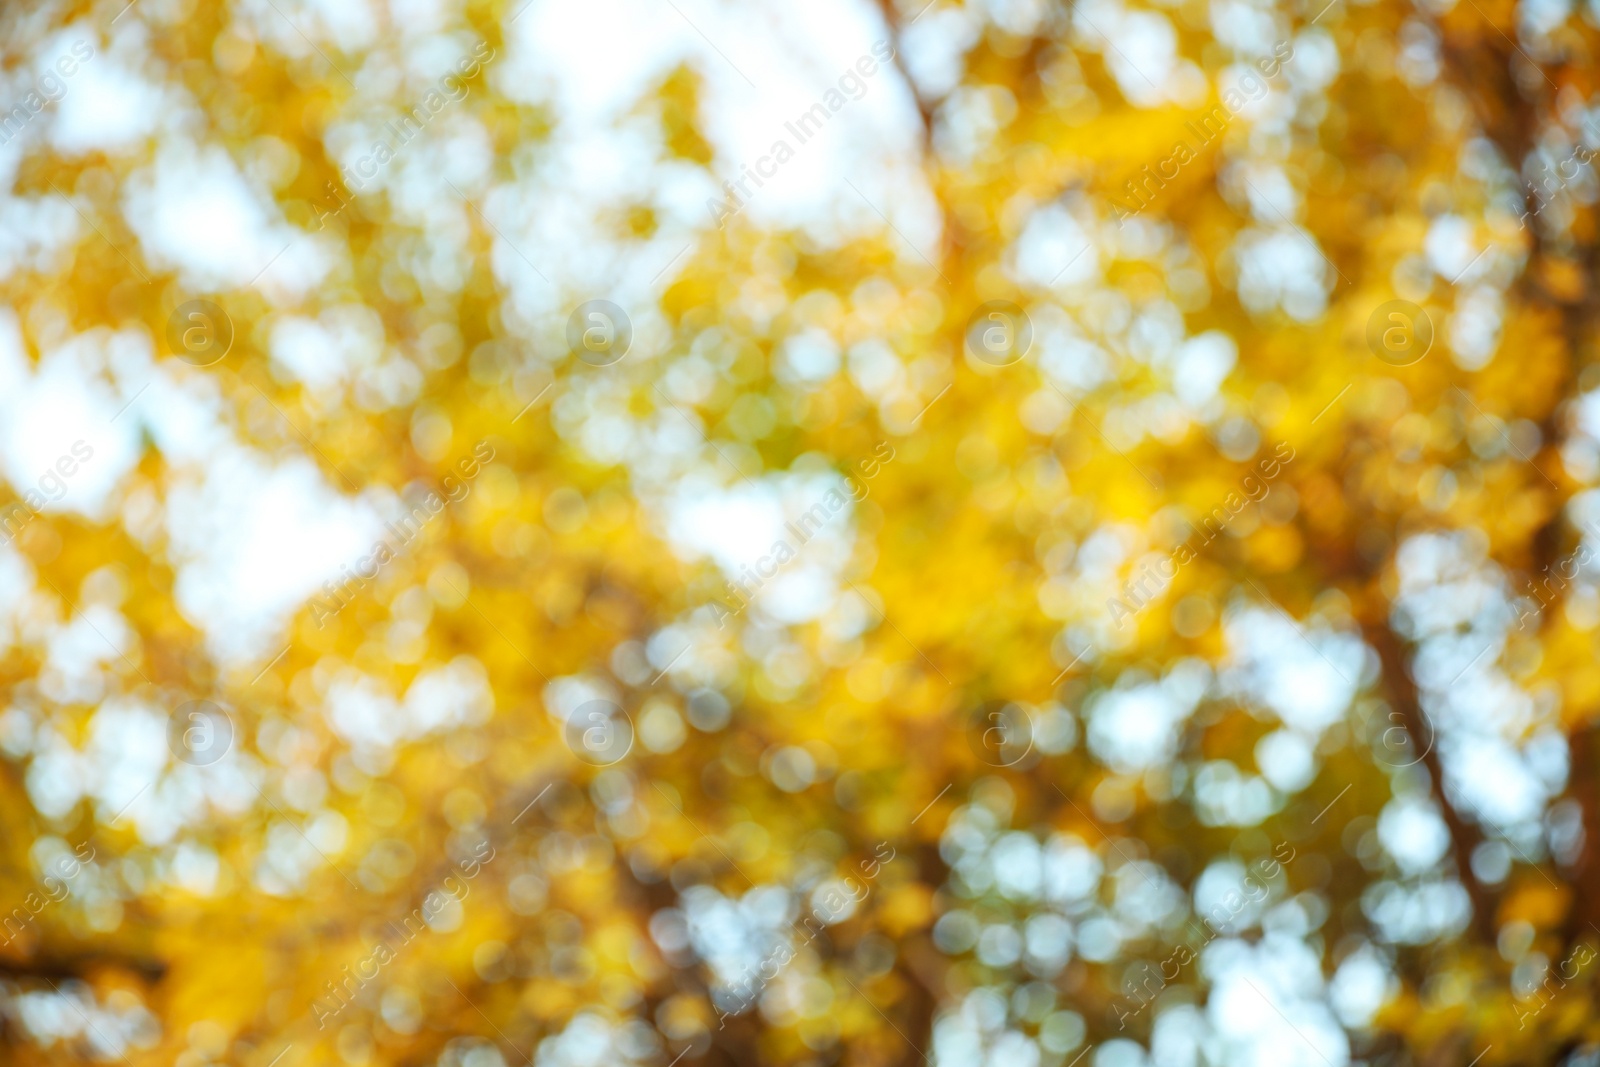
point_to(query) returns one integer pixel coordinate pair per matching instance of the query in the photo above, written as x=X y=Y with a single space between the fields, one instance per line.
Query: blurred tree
x=1177 y=645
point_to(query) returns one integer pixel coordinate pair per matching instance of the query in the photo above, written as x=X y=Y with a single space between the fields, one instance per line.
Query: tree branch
x=891 y=18
x=1402 y=691
x=78 y=967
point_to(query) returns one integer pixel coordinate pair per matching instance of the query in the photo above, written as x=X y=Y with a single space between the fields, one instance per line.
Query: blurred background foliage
x=1319 y=789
